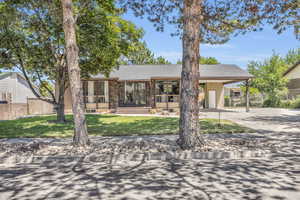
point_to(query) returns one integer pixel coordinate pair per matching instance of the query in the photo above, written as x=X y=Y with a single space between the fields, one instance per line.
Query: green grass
x=109 y=125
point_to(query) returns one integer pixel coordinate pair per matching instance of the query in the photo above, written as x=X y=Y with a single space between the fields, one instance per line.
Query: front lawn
x=109 y=125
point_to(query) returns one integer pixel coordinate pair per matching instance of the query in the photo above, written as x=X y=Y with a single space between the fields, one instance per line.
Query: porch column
x=247 y=96
x=106 y=94
x=91 y=92
x=152 y=93
x=113 y=92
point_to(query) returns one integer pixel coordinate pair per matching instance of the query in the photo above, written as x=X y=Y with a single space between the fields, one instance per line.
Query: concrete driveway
x=275 y=177
x=261 y=119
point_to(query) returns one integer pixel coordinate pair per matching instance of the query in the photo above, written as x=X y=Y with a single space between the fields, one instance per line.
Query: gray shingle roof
x=146 y=72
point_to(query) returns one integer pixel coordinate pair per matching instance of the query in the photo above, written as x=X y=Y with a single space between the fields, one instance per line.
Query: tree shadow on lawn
x=171 y=179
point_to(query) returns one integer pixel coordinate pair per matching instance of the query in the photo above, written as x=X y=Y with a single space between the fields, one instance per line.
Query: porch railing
x=95 y=99
x=166 y=98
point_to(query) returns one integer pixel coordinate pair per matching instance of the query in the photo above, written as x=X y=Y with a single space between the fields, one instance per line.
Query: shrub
x=286 y=104
x=272 y=102
x=226 y=101
x=296 y=103
x=292 y=103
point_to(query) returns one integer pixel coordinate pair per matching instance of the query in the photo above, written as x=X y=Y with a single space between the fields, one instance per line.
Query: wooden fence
x=33 y=106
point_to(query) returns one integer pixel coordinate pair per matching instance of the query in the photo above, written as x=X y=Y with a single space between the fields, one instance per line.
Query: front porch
x=112 y=95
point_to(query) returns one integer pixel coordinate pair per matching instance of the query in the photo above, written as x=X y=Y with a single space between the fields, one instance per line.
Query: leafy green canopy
x=221 y=18
x=292 y=57
x=142 y=55
x=205 y=61
x=31 y=32
x=269 y=78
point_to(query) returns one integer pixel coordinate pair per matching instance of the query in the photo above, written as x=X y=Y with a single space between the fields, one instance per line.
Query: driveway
x=273 y=177
x=261 y=119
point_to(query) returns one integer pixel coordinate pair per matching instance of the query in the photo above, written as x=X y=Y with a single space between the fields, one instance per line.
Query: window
x=99 y=88
x=167 y=91
x=94 y=91
x=167 y=87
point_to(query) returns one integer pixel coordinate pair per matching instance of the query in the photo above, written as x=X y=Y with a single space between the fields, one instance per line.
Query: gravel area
x=131 y=148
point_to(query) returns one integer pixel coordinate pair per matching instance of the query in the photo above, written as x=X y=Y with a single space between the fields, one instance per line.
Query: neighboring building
x=293 y=75
x=14 y=88
x=233 y=91
x=155 y=86
x=235 y=96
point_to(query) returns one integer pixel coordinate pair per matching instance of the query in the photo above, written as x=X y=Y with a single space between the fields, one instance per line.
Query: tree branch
x=45 y=86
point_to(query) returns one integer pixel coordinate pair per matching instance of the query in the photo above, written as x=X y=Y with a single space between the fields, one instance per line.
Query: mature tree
x=269 y=78
x=205 y=21
x=25 y=45
x=205 y=61
x=81 y=134
x=142 y=55
x=287 y=16
x=32 y=40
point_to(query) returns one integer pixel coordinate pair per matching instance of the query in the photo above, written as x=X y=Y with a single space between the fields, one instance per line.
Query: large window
x=94 y=92
x=167 y=91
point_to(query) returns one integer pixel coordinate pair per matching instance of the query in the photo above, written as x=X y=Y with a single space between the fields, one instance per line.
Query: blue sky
x=239 y=50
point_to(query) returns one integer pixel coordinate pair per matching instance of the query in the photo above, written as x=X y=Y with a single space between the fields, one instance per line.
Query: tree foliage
x=142 y=55
x=221 y=18
x=32 y=40
x=269 y=78
x=205 y=61
x=292 y=57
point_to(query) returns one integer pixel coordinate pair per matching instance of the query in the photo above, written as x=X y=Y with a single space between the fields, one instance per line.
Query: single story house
x=155 y=87
x=293 y=76
x=14 y=88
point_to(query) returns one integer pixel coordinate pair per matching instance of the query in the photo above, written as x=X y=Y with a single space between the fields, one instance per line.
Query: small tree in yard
x=269 y=78
x=207 y=21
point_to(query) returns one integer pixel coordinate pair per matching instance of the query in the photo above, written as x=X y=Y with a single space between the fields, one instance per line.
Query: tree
x=203 y=21
x=81 y=134
x=292 y=57
x=141 y=55
x=205 y=61
x=25 y=45
x=209 y=61
x=269 y=78
x=32 y=40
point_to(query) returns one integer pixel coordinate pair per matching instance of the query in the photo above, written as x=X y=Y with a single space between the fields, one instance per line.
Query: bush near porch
x=109 y=125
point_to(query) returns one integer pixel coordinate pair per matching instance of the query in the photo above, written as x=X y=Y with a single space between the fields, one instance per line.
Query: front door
x=133 y=94
x=212 y=98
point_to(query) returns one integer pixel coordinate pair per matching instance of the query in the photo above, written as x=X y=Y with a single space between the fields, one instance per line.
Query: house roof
x=7 y=74
x=4 y=75
x=292 y=68
x=207 y=72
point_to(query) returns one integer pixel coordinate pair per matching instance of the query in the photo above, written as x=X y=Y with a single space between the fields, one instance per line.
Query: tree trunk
x=60 y=96
x=189 y=126
x=81 y=135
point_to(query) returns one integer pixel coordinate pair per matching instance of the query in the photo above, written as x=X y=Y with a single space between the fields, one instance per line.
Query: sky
x=238 y=50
